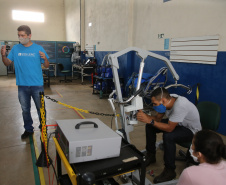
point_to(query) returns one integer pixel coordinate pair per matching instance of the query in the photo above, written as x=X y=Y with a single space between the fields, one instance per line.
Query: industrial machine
x=129 y=107
x=87 y=139
x=76 y=55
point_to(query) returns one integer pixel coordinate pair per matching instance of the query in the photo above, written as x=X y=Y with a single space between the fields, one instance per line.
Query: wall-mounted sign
x=166 y=44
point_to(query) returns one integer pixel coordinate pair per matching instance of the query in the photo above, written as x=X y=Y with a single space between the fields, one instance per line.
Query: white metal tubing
x=140 y=74
x=144 y=54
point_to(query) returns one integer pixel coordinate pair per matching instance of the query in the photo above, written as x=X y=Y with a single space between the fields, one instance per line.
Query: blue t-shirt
x=27 y=63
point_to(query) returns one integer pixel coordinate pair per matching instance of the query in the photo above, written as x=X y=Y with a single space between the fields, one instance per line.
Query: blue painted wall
x=58 y=52
x=212 y=78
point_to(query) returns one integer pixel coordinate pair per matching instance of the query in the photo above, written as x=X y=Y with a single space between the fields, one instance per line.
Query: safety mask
x=23 y=40
x=160 y=108
x=191 y=152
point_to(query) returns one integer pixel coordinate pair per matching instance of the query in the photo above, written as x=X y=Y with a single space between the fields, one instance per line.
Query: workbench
x=82 y=69
x=53 y=67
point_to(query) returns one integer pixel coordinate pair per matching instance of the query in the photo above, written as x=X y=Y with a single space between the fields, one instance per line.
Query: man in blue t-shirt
x=27 y=57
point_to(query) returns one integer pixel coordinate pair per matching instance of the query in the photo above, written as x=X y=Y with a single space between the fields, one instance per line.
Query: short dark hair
x=24 y=28
x=211 y=145
x=160 y=91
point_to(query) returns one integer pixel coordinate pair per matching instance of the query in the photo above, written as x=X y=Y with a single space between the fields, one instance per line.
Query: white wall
x=177 y=18
x=122 y=23
x=53 y=29
x=72 y=20
x=110 y=24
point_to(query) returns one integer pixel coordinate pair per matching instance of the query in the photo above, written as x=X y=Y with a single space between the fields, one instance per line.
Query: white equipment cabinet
x=87 y=140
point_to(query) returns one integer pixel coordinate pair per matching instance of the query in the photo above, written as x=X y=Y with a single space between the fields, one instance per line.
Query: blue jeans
x=24 y=94
x=179 y=134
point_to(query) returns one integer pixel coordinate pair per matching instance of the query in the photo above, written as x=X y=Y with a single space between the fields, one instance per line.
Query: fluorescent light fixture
x=90 y=24
x=28 y=16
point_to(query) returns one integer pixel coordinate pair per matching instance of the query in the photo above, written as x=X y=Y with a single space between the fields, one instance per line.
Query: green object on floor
x=101 y=94
x=36 y=174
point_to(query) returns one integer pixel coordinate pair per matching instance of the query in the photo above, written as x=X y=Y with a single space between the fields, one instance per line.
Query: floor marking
x=79 y=114
x=36 y=175
x=59 y=94
x=40 y=170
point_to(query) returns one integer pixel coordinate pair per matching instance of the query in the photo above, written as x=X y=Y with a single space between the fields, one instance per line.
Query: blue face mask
x=160 y=108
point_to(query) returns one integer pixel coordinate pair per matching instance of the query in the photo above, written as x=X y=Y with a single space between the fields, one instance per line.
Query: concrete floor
x=15 y=154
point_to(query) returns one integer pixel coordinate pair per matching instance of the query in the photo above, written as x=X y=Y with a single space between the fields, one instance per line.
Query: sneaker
x=167 y=175
x=150 y=159
x=26 y=134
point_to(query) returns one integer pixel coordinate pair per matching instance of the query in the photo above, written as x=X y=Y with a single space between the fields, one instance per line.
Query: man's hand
x=5 y=60
x=42 y=55
x=141 y=116
x=3 y=50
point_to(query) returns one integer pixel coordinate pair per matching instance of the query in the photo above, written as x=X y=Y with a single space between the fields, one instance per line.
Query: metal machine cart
x=130 y=159
x=81 y=69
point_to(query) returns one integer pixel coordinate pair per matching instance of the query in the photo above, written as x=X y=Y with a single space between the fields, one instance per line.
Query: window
x=27 y=16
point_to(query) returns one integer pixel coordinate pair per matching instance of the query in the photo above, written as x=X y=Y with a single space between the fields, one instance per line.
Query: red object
x=92 y=77
x=152 y=172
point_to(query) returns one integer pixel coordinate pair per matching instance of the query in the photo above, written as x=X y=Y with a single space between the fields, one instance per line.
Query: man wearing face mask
x=27 y=57
x=183 y=122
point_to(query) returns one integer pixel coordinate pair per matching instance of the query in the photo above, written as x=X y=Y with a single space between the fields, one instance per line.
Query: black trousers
x=179 y=134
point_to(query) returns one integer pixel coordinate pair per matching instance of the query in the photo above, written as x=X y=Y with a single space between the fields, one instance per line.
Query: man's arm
x=5 y=60
x=141 y=116
x=164 y=126
x=43 y=56
x=46 y=63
